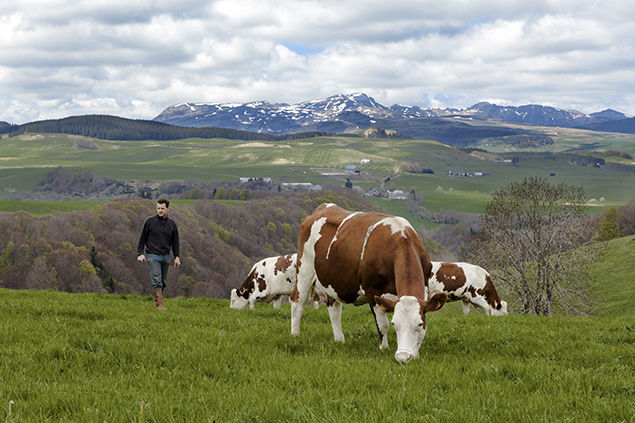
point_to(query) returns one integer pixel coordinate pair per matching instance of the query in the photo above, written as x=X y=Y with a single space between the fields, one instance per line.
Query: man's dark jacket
x=158 y=235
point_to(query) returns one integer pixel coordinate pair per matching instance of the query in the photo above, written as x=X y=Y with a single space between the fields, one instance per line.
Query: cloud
x=134 y=59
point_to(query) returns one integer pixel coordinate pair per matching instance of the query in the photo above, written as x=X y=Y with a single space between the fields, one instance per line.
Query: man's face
x=161 y=209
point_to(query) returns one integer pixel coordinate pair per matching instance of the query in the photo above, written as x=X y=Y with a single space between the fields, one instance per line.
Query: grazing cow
x=469 y=283
x=357 y=258
x=269 y=280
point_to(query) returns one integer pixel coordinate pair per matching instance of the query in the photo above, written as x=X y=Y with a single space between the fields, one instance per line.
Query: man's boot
x=158 y=298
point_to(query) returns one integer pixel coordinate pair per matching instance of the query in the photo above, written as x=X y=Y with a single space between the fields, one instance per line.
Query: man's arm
x=176 y=248
x=141 y=244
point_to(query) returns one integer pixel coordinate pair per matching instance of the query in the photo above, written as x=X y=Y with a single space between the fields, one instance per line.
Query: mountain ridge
x=351 y=113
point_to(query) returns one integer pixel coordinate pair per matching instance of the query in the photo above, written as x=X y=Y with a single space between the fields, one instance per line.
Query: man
x=158 y=235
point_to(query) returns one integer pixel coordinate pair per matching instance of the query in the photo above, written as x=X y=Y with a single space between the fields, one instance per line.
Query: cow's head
x=499 y=310
x=236 y=300
x=409 y=320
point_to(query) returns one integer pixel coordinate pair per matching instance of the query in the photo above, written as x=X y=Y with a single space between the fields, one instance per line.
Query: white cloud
x=133 y=59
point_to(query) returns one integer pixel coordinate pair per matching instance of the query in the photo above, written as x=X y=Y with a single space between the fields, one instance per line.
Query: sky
x=134 y=58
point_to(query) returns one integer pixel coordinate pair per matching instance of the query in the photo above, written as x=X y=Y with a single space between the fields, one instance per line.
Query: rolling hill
x=115 y=128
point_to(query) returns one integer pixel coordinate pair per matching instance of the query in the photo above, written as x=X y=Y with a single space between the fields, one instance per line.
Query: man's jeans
x=158 y=265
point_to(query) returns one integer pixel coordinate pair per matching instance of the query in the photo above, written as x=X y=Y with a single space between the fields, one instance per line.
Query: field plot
x=100 y=358
x=26 y=159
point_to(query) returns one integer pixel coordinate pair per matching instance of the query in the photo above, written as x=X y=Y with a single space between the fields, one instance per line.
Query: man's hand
x=177 y=262
x=141 y=258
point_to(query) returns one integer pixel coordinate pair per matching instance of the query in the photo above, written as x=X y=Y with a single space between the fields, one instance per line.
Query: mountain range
x=352 y=113
x=339 y=114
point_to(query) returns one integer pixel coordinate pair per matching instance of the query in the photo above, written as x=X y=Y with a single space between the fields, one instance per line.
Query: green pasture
x=25 y=159
x=106 y=358
x=566 y=140
x=42 y=208
x=613 y=278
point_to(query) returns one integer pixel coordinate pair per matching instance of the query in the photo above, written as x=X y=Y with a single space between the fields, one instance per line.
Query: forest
x=95 y=250
x=115 y=128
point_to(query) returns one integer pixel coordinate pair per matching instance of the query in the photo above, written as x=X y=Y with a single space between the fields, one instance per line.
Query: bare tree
x=539 y=243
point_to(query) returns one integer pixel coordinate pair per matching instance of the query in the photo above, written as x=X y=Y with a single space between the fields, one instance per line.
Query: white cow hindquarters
x=305 y=276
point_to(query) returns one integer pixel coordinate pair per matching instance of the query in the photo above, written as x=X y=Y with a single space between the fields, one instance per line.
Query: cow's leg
x=305 y=274
x=297 y=307
x=335 y=314
x=466 y=307
x=316 y=301
x=299 y=298
x=277 y=301
x=252 y=300
x=381 y=321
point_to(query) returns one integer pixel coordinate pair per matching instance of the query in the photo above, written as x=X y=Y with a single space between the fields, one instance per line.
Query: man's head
x=163 y=205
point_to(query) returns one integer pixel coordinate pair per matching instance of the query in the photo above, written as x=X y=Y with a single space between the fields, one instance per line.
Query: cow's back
x=353 y=250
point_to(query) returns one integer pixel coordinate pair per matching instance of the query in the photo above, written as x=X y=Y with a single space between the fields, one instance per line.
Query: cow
x=365 y=257
x=269 y=280
x=466 y=282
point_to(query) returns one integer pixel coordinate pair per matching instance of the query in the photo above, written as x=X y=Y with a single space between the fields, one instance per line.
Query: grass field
x=41 y=208
x=101 y=358
x=27 y=158
x=109 y=358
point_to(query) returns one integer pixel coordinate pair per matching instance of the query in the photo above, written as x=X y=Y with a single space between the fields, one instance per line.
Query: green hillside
x=614 y=277
x=109 y=358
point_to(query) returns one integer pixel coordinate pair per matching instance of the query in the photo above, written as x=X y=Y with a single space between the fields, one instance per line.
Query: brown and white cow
x=269 y=280
x=468 y=283
x=357 y=258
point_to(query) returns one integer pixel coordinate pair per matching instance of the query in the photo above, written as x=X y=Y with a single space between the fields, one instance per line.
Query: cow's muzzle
x=403 y=356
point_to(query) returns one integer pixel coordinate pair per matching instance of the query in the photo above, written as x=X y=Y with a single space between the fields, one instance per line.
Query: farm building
x=397 y=195
x=243 y=180
x=300 y=186
x=457 y=173
x=352 y=170
x=482 y=173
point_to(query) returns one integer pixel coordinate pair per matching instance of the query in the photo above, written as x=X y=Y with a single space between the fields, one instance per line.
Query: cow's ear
x=387 y=305
x=435 y=303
